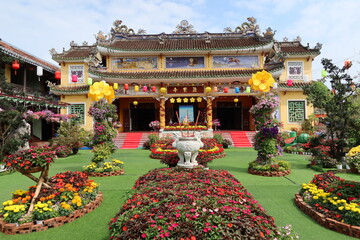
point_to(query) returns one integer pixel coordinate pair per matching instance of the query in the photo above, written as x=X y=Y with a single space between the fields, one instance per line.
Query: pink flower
x=143 y=235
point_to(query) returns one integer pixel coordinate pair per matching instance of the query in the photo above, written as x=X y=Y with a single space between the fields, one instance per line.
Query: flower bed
x=11 y=228
x=105 y=169
x=106 y=174
x=335 y=201
x=276 y=169
x=269 y=174
x=191 y=204
x=67 y=194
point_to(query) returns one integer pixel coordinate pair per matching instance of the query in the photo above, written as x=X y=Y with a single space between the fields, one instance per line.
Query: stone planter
x=188 y=149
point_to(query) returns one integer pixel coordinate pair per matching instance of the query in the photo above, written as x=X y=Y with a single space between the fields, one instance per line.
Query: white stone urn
x=188 y=149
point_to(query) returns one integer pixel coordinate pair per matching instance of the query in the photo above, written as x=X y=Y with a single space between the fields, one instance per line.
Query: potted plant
x=155 y=125
x=353 y=159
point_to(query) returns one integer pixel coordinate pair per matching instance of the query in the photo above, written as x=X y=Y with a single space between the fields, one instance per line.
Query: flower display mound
x=333 y=202
x=276 y=169
x=175 y=203
x=163 y=150
x=69 y=196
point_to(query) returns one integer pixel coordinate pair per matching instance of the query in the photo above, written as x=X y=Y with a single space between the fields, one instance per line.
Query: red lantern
x=226 y=89
x=289 y=82
x=74 y=78
x=153 y=88
x=126 y=86
x=215 y=89
x=15 y=65
x=57 y=75
x=145 y=89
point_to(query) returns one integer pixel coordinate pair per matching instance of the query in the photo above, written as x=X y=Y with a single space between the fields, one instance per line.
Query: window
x=296 y=111
x=295 y=70
x=77 y=70
x=78 y=108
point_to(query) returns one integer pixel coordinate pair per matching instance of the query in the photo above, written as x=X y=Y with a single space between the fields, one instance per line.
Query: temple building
x=202 y=76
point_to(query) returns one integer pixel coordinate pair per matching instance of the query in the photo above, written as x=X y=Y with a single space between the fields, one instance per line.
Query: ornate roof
x=296 y=48
x=69 y=90
x=32 y=100
x=17 y=53
x=75 y=53
x=295 y=86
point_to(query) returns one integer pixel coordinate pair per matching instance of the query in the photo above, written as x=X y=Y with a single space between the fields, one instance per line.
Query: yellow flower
x=341 y=208
x=261 y=81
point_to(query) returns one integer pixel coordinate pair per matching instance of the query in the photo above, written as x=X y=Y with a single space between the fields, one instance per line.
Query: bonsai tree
x=340 y=121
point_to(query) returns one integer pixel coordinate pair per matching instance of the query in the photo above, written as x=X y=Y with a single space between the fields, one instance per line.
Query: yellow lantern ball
x=163 y=90
x=135 y=103
x=208 y=89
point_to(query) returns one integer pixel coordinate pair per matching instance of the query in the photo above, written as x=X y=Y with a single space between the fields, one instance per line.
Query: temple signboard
x=185 y=89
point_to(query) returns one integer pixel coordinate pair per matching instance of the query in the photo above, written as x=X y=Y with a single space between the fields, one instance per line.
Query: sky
x=37 y=26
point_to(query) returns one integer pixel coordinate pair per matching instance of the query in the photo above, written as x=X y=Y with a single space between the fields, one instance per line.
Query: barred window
x=77 y=70
x=295 y=70
x=79 y=109
x=296 y=111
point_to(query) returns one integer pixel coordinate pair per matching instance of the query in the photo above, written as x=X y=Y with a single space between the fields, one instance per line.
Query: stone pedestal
x=188 y=149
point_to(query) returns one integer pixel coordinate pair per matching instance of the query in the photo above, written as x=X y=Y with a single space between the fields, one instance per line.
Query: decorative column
x=209 y=111
x=162 y=112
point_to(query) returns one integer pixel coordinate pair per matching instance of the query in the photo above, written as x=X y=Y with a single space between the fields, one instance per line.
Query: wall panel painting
x=235 y=62
x=142 y=63
x=185 y=62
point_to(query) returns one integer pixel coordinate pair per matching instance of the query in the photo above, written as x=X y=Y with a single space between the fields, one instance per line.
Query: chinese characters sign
x=185 y=89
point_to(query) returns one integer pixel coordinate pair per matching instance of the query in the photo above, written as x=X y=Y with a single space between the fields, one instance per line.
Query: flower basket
x=30 y=170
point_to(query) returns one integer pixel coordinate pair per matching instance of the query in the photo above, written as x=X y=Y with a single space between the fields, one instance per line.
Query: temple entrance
x=141 y=116
x=230 y=115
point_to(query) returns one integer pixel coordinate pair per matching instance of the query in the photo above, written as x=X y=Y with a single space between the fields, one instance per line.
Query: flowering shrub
x=276 y=166
x=268 y=138
x=103 y=132
x=32 y=157
x=70 y=191
x=155 y=124
x=334 y=197
x=353 y=157
x=191 y=204
x=102 y=110
x=62 y=151
x=112 y=166
x=49 y=116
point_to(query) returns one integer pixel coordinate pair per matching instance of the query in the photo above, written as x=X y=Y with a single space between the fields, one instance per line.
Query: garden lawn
x=275 y=194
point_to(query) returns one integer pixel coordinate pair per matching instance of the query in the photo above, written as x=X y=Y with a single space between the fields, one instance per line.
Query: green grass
x=275 y=194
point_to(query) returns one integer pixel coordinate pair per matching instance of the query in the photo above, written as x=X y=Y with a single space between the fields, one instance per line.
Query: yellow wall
x=79 y=99
x=8 y=73
x=284 y=97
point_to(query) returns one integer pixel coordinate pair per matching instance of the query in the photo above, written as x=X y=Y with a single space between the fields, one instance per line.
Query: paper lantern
x=116 y=86
x=39 y=71
x=324 y=73
x=289 y=82
x=247 y=89
x=215 y=89
x=89 y=81
x=226 y=89
x=237 y=90
x=208 y=89
x=153 y=88
x=135 y=103
x=236 y=100
x=126 y=86
x=136 y=88
x=163 y=90
x=347 y=64
x=144 y=88
x=74 y=78
x=275 y=86
x=15 y=65
x=57 y=75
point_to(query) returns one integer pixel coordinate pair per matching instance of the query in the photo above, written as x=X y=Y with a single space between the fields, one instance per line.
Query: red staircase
x=242 y=138
x=131 y=140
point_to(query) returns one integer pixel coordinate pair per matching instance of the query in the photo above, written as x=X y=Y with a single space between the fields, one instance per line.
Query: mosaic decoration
x=77 y=70
x=236 y=62
x=296 y=110
x=135 y=63
x=295 y=70
x=78 y=109
x=184 y=28
x=185 y=62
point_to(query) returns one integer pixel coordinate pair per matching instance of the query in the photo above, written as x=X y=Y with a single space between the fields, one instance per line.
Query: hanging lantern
x=275 y=86
x=39 y=71
x=57 y=75
x=126 y=86
x=236 y=100
x=135 y=103
x=289 y=82
x=116 y=86
x=226 y=89
x=15 y=65
x=215 y=89
x=136 y=88
x=89 y=81
x=248 y=89
x=172 y=100
x=144 y=88
x=237 y=90
x=163 y=90
x=324 y=73
x=208 y=89
x=153 y=88
x=347 y=64
x=74 y=78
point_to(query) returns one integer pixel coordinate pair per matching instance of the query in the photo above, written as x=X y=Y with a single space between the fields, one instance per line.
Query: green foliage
x=276 y=166
x=153 y=138
x=72 y=135
x=102 y=152
x=307 y=126
x=218 y=138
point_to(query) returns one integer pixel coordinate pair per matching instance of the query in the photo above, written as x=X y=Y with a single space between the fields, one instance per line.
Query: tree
x=340 y=109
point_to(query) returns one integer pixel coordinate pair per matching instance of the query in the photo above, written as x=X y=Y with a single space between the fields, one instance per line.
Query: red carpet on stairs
x=240 y=139
x=132 y=140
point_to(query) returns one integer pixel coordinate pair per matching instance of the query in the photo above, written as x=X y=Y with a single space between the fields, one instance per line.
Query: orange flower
x=193 y=238
x=262 y=235
x=124 y=228
x=230 y=225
